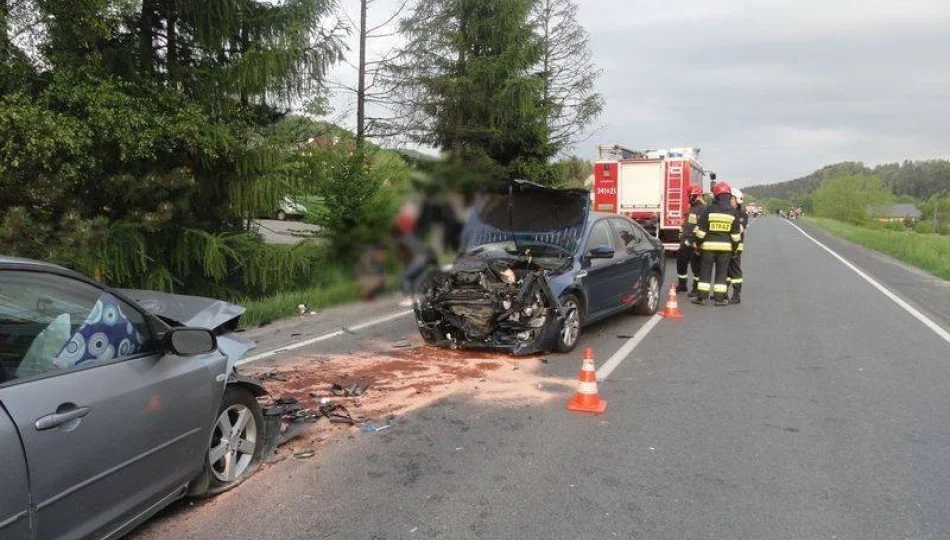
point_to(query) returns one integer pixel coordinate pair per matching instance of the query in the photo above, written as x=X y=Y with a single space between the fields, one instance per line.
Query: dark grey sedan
x=115 y=403
x=536 y=267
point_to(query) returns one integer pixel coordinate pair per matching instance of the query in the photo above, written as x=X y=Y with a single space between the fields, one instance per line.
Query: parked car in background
x=290 y=208
x=115 y=403
x=536 y=267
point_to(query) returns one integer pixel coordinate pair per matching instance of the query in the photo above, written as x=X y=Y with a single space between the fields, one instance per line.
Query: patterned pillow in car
x=106 y=334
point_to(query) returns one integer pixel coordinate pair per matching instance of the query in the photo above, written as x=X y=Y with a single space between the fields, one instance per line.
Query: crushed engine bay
x=490 y=303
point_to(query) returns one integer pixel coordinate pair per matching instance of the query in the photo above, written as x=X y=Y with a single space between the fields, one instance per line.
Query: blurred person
x=415 y=255
x=371 y=272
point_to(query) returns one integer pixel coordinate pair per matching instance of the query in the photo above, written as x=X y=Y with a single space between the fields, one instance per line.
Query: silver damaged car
x=114 y=403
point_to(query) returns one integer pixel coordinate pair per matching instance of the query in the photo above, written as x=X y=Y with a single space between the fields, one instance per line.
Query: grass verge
x=929 y=252
x=284 y=304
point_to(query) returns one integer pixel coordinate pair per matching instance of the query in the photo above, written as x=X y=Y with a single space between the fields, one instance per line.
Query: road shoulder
x=928 y=293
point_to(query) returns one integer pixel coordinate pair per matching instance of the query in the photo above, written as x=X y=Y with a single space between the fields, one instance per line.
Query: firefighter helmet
x=722 y=188
x=695 y=191
x=737 y=193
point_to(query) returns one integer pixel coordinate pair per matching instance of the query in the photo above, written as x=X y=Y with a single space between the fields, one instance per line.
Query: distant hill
x=918 y=179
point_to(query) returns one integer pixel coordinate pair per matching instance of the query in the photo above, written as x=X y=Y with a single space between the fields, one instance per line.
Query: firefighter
x=687 y=258
x=735 y=265
x=717 y=235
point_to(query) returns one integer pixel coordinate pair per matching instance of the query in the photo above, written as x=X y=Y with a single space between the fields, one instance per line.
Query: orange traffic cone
x=672 y=310
x=587 y=399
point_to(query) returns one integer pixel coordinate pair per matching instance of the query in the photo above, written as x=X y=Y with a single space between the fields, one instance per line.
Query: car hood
x=199 y=312
x=528 y=212
x=194 y=311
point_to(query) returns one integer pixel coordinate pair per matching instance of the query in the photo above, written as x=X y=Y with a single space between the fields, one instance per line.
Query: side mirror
x=712 y=177
x=190 y=341
x=602 y=252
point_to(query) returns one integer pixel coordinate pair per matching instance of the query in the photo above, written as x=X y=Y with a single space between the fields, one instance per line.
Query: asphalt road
x=285 y=232
x=816 y=409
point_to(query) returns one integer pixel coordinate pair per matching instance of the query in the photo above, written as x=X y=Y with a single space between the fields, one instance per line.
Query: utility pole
x=361 y=85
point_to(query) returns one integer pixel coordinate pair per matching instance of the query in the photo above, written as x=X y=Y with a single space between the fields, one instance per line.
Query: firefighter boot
x=682 y=285
x=700 y=299
x=736 y=294
x=721 y=299
x=695 y=292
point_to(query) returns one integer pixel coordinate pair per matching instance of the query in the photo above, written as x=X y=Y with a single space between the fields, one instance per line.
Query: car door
x=630 y=242
x=112 y=428
x=602 y=275
x=15 y=492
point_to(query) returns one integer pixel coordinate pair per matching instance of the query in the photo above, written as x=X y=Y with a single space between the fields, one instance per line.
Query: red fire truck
x=648 y=186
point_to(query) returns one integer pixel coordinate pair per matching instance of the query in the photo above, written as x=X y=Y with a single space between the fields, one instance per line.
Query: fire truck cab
x=649 y=186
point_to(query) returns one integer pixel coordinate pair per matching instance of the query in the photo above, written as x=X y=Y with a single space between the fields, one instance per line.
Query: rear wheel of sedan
x=651 y=297
x=237 y=443
x=571 y=330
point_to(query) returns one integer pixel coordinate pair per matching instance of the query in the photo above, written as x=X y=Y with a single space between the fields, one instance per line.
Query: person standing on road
x=687 y=258
x=735 y=265
x=717 y=236
x=412 y=250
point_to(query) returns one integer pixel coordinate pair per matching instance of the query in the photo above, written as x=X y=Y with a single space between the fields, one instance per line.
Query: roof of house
x=904 y=211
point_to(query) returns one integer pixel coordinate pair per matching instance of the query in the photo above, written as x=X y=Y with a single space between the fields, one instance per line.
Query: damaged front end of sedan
x=497 y=304
x=498 y=294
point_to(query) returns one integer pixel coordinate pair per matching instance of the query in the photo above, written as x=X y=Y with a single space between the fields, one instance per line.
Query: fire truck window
x=627 y=233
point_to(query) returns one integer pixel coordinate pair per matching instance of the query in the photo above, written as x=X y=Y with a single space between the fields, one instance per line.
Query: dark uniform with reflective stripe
x=735 y=266
x=718 y=234
x=687 y=257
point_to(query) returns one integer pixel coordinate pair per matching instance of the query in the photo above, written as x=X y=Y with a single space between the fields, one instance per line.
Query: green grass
x=929 y=252
x=284 y=304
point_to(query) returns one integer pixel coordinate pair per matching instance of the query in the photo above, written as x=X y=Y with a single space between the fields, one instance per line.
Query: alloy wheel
x=572 y=325
x=233 y=443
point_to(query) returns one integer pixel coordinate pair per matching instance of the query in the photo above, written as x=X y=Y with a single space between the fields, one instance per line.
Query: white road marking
x=628 y=347
x=940 y=331
x=324 y=337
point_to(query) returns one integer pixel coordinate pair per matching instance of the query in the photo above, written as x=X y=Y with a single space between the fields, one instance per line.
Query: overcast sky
x=769 y=89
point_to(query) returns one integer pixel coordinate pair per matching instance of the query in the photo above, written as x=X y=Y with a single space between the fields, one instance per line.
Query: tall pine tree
x=466 y=83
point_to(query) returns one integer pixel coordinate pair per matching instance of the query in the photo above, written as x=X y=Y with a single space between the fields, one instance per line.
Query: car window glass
x=627 y=233
x=52 y=323
x=600 y=235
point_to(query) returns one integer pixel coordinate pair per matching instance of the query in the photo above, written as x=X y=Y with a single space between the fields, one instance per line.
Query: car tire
x=567 y=340
x=215 y=475
x=281 y=215
x=650 y=303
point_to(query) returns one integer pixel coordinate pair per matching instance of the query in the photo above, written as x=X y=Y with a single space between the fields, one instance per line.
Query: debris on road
x=402 y=380
x=272 y=376
x=402 y=344
x=350 y=388
x=372 y=428
x=625 y=336
x=299 y=456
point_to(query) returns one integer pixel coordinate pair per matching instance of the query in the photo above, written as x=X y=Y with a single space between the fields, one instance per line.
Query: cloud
x=773 y=90
x=770 y=89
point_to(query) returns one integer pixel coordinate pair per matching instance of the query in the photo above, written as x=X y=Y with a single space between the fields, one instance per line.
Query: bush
x=924 y=227
x=358 y=207
x=897 y=226
x=847 y=198
x=944 y=230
